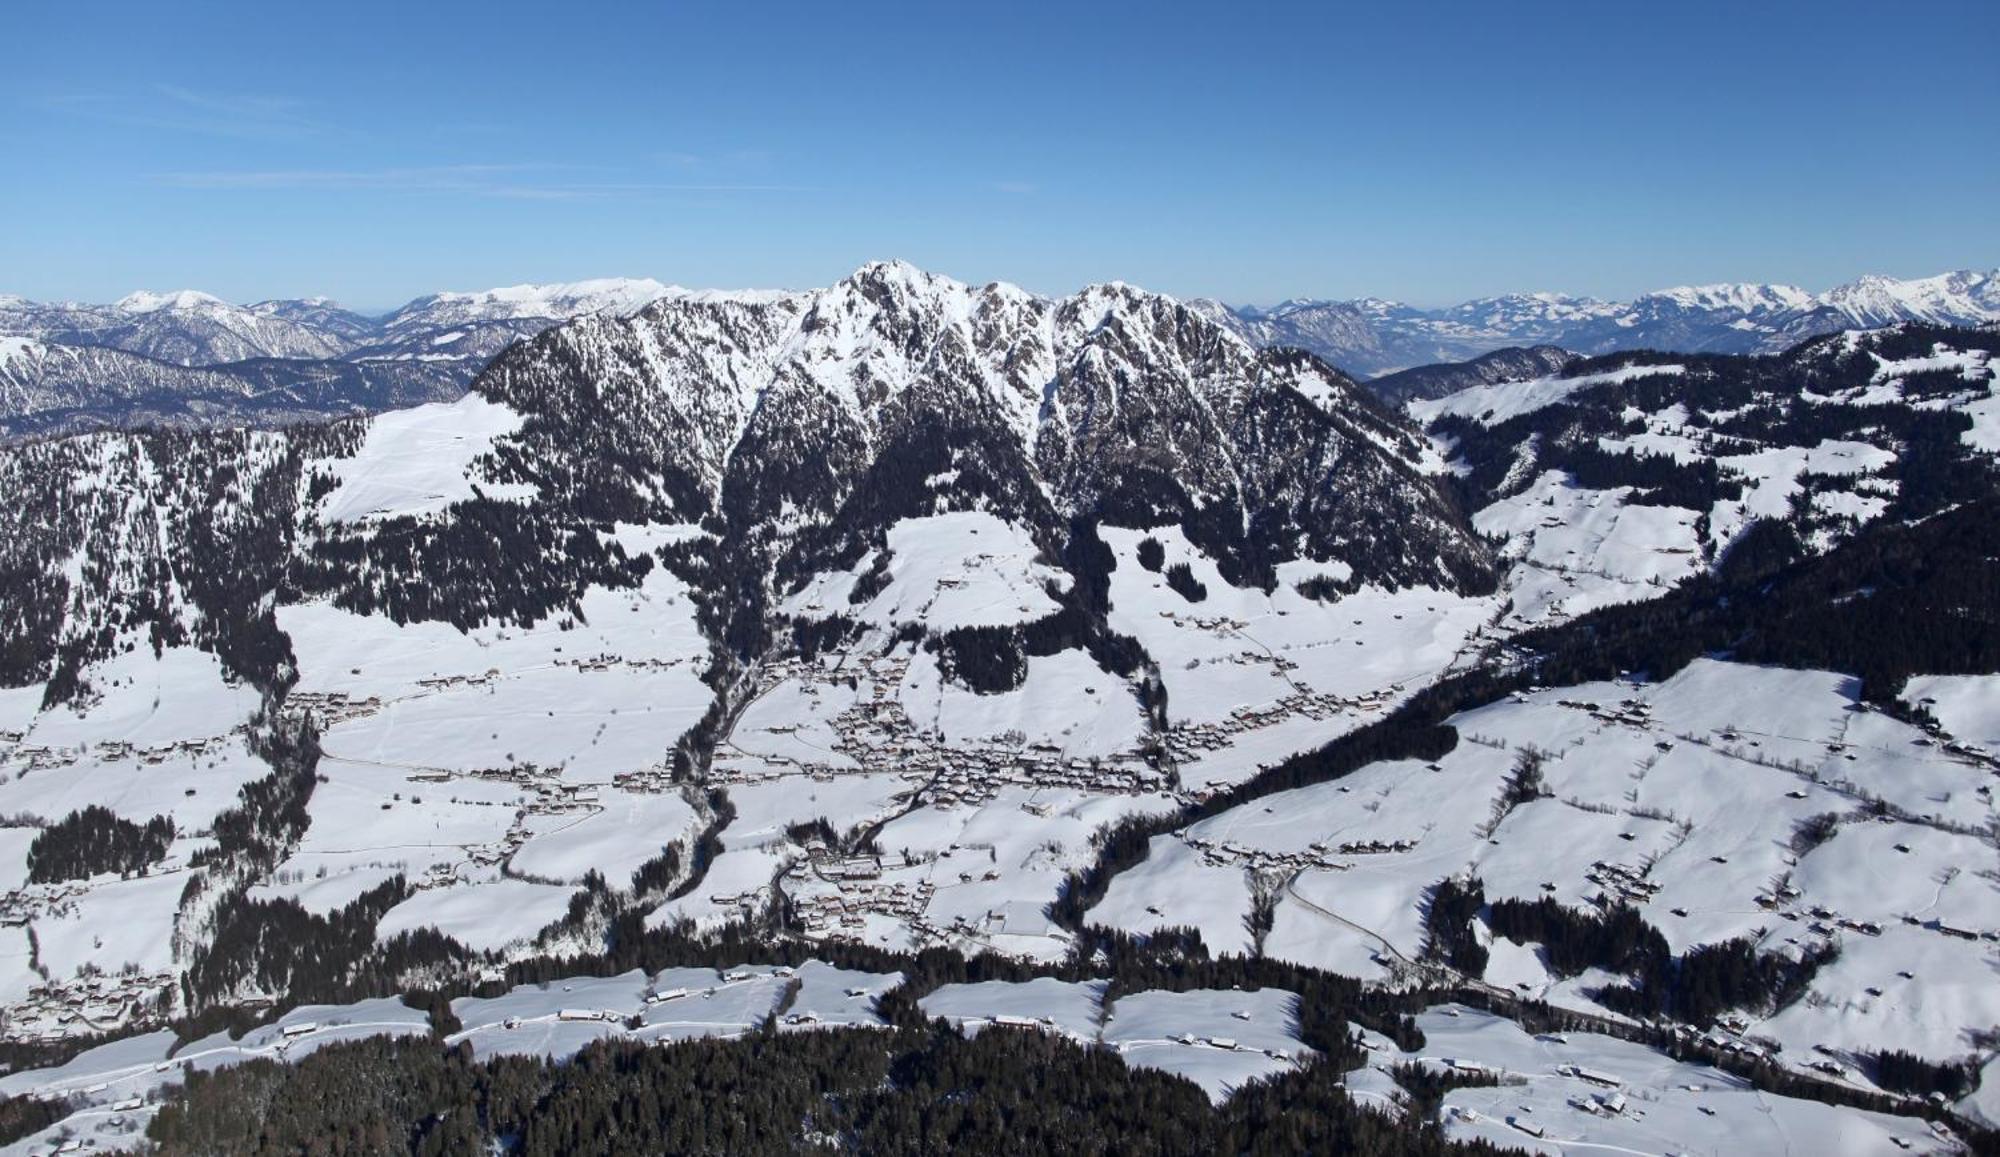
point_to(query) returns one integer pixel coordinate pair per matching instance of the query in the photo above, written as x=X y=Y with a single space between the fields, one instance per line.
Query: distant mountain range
x=188 y=358
x=191 y=328
x=1370 y=336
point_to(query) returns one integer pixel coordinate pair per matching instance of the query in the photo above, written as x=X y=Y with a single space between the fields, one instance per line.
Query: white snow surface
x=1658 y=1105
x=964 y=569
x=481 y=916
x=420 y=461
x=1494 y=404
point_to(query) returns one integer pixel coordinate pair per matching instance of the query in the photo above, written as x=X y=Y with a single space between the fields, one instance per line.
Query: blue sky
x=1253 y=151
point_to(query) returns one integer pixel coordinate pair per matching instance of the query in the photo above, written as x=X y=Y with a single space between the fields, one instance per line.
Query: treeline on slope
x=270 y=813
x=1427 y=1085
x=992 y=659
x=908 y=1090
x=275 y=945
x=93 y=840
x=1736 y=404
x=1694 y=988
x=25 y=1116
x=490 y=562
x=1906 y=1072
x=1932 y=604
x=1891 y=602
x=1449 y=935
x=84 y=571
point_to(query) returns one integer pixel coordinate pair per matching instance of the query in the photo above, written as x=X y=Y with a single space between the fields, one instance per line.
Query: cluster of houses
x=833 y=894
x=55 y=1009
x=841 y=912
x=607 y=662
x=32 y=757
x=976 y=776
x=24 y=905
x=1225 y=853
x=1618 y=882
x=327 y=708
x=1189 y=741
x=1730 y=1034
x=875 y=735
x=1629 y=712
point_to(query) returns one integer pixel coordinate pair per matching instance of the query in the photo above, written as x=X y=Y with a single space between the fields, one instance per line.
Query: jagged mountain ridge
x=1110 y=399
x=430 y=348
x=798 y=427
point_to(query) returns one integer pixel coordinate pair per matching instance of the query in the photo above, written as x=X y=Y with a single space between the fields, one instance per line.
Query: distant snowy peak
x=179 y=301
x=1512 y=312
x=322 y=314
x=1731 y=296
x=523 y=302
x=186 y=327
x=1948 y=298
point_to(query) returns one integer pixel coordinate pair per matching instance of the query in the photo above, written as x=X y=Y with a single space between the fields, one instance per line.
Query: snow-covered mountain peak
x=1960 y=295
x=1739 y=297
x=179 y=300
x=896 y=271
x=529 y=301
x=785 y=406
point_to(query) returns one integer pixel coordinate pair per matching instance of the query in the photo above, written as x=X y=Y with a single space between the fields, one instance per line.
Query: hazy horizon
x=381 y=309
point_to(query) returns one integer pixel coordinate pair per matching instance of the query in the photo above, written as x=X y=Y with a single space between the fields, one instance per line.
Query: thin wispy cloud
x=519 y=181
x=1017 y=188
x=172 y=108
x=733 y=160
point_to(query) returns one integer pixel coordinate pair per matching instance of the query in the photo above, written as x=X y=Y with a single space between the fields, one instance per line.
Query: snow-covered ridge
x=1503 y=400
x=515 y=302
x=184 y=300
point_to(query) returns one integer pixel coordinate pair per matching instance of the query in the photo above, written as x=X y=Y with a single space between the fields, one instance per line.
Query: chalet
x=1592 y=1076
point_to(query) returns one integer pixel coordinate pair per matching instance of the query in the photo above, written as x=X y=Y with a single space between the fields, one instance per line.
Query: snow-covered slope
x=850 y=619
x=568 y=603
